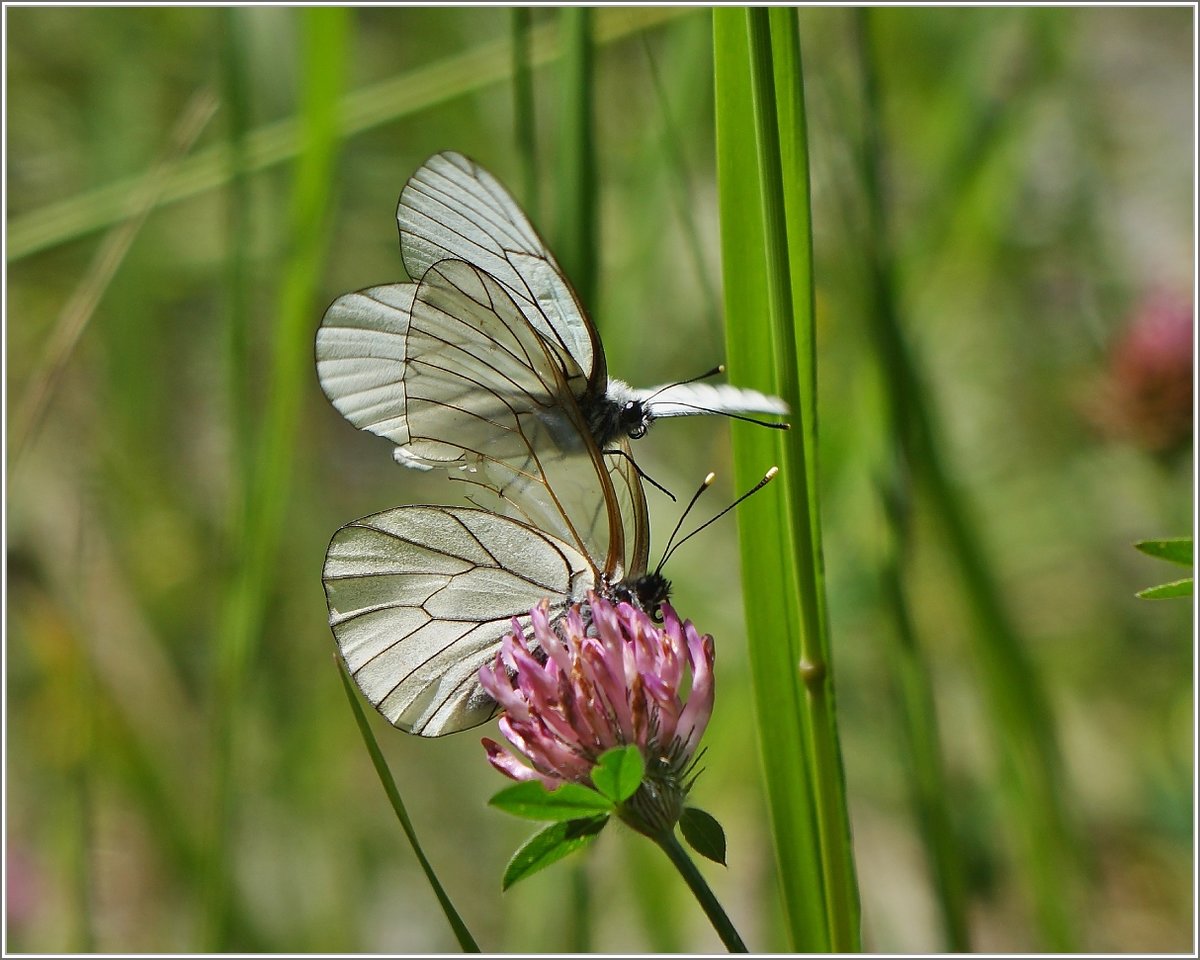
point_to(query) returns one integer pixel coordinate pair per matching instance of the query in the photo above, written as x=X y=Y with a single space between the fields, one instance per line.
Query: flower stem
x=716 y=915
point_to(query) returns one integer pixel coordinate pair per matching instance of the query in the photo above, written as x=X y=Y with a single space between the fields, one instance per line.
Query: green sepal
x=549 y=846
x=570 y=801
x=618 y=773
x=703 y=834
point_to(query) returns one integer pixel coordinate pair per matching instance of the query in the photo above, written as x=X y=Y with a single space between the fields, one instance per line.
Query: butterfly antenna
x=714 y=372
x=770 y=475
x=683 y=516
x=642 y=473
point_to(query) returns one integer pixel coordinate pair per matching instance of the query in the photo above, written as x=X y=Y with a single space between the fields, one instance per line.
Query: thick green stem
x=708 y=902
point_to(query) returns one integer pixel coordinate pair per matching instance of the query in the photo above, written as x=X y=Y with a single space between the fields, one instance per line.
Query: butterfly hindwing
x=420 y=598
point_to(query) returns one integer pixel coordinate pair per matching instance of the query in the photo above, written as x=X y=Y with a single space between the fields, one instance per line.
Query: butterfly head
x=620 y=413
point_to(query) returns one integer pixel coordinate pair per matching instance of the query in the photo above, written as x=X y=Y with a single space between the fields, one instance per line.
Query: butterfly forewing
x=362 y=358
x=452 y=209
x=485 y=392
x=421 y=597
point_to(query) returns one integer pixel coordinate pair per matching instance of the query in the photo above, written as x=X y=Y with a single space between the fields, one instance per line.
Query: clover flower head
x=604 y=675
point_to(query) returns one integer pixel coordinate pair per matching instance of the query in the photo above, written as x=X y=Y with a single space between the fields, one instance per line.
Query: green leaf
x=1176 y=549
x=703 y=834
x=619 y=772
x=550 y=846
x=533 y=801
x=1164 y=591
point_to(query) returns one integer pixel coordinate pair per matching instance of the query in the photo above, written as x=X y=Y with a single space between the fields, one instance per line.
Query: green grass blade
x=1168 y=591
x=763 y=181
x=767 y=575
x=325 y=31
x=411 y=92
x=1175 y=549
x=461 y=933
x=576 y=232
x=1020 y=714
x=777 y=94
x=237 y=92
x=577 y=247
x=524 y=113
x=922 y=746
x=925 y=769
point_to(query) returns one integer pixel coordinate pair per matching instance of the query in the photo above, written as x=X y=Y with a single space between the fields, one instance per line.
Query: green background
x=1040 y=182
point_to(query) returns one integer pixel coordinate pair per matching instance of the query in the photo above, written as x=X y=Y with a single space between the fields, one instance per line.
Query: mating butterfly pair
x=487 y=365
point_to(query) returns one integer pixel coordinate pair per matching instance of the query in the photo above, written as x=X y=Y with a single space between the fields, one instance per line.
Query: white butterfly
x=373 y=346
x=420 y=597
x=487 y=363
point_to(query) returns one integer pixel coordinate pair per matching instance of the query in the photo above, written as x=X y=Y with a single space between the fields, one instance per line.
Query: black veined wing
x=420 y=598
x=470 y=384
x=452 y=209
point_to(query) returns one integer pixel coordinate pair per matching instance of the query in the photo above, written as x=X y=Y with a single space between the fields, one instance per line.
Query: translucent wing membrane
x=631 y=508
x=474 y=365
x=420 y=598
x=452 y=209
x=362 y=358
x=691 y=399
x=452 y=372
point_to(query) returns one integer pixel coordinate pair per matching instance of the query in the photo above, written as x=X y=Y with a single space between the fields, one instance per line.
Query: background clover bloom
x=614 y=681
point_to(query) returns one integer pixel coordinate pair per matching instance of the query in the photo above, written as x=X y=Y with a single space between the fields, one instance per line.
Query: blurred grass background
x=1039 y=179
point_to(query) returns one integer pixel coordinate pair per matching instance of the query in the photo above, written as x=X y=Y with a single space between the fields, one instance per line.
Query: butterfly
x=421 y=597
x=373 y=346
x=488 y=363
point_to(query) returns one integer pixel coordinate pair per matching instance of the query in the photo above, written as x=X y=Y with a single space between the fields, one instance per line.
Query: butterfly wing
x=421 y=597
x=692 y=399
x=404 y=360
x=453 y=209
x=362 y=358
x=452 y=372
